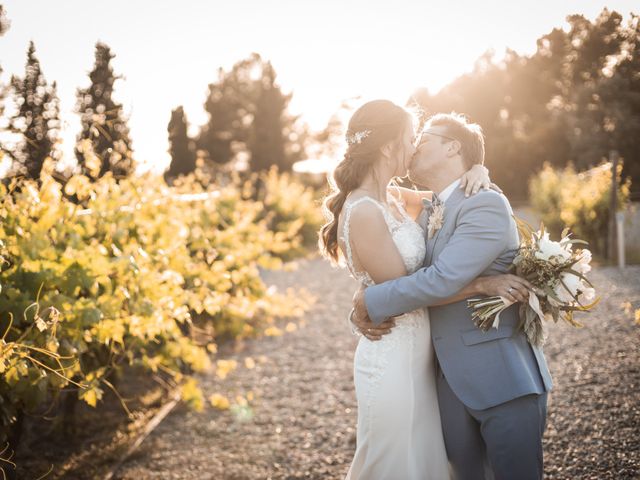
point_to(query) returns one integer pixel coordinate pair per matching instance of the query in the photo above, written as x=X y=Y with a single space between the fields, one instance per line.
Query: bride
x=372 y=226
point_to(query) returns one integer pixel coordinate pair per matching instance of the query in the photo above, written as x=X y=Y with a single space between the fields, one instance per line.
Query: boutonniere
x=435 y=220
x=436 y=216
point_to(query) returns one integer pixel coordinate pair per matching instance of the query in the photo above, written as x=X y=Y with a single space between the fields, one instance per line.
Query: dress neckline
x=386 y=205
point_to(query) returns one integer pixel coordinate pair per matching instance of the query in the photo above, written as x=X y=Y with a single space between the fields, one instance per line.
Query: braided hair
x=372 y=126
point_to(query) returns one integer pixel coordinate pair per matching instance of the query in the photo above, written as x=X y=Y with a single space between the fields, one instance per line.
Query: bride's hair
x=372 y=126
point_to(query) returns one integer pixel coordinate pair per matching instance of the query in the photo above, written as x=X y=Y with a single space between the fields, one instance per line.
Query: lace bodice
x=407 y=235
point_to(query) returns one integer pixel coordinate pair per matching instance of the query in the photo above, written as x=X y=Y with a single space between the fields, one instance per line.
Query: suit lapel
x=423 y=219
x=455 y=198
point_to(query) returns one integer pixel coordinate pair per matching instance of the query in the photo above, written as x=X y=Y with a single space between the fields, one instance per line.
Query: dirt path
x=304 y=409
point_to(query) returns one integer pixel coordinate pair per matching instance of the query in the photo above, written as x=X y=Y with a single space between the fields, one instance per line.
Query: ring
x=510 y=290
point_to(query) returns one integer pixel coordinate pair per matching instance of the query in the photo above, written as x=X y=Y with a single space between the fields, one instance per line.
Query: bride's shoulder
x=367 y=215
x=363 y=207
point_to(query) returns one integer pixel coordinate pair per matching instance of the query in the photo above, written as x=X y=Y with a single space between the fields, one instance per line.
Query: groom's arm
x=481 y=235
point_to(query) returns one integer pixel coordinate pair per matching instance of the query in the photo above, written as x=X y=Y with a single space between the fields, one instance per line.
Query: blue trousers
x=502 y=442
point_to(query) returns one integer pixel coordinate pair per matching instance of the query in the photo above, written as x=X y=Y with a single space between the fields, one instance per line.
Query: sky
x=324 y=51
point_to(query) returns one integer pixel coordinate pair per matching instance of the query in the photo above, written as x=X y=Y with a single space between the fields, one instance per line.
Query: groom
x=492 y=386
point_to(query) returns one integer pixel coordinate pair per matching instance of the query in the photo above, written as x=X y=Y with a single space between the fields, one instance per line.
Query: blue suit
x=492 y=386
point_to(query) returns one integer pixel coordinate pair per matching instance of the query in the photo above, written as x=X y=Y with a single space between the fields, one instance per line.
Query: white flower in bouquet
x=572 y=289
x=551 y=251
x=583 y=265
x=588 y=294
x=569 y=288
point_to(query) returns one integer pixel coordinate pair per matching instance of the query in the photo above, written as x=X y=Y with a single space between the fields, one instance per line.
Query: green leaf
x=75 y=278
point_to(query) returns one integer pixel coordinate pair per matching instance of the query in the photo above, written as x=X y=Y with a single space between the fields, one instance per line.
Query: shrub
x=580 y=201
x=98 y=275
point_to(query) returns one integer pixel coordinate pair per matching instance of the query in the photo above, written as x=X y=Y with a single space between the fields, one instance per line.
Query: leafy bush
x=98 y=275
x=580 y=201
x=291 y=208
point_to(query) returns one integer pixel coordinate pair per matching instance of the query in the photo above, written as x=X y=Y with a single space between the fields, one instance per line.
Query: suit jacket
x=478 y=237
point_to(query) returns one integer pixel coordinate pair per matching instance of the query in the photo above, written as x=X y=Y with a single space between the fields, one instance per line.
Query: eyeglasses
x=419 y=137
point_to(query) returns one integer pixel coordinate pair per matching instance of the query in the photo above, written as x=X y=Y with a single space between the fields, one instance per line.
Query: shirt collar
x=446 y=193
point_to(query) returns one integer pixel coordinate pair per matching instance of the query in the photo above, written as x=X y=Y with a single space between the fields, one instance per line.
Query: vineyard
x=102 y=275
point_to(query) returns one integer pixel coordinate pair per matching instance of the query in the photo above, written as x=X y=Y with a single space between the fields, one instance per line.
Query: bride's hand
x=509 y=286
x=475 y=178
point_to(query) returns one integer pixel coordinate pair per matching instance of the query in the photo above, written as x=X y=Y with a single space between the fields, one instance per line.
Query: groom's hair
x=468 y=134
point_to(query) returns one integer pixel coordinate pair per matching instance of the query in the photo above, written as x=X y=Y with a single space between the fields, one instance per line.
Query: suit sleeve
x=480 y=236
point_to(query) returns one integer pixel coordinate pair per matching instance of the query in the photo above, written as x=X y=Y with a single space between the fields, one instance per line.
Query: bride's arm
x=372 y=244
x=410 y=199
x=476 y=178
x=472 y=181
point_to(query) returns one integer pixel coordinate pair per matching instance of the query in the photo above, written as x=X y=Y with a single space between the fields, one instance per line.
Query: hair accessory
x=357 y=137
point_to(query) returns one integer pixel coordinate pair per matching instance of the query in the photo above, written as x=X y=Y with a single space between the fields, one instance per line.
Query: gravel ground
x=304 y=411
x=594 y=411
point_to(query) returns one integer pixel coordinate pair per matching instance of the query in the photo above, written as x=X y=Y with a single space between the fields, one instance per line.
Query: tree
x=181 y=147
x=36 y=120
x=248 y=113
x=624 y=84
x=104 y=144
x=4 y=21
x=267 y=142
x=589 y=114
x=4 y=26
x=225 y=125
x=605 y=102
x=574 y=99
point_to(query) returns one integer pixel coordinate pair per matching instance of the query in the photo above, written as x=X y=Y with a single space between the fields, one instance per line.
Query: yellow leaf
x=12 y=375
x=637 y=315
x=246 y=328
x=250 y=363
x=219 y=401
x=192 y=394
x=273 y=332
x=91 y=396
x=291 y=327
x=224 y=367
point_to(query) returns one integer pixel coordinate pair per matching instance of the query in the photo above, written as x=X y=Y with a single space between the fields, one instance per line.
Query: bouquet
x=557 y=272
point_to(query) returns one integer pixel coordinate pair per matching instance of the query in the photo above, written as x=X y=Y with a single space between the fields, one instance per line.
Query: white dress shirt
x=446 y=193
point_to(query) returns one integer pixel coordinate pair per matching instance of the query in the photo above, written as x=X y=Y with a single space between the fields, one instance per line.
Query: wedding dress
x=399 y=435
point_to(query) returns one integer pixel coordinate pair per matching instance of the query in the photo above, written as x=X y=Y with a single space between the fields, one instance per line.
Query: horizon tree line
x=571 y=101
x=247 y=110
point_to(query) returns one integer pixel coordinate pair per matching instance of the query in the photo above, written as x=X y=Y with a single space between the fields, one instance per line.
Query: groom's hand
x=360 y=318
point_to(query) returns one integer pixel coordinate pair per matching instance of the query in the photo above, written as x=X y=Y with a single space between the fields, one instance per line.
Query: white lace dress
x=399 y=435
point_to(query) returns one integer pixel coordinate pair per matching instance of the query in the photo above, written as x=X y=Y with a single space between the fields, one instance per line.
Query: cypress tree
x=36 y=119
x=181 y=147
x=104 y=144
